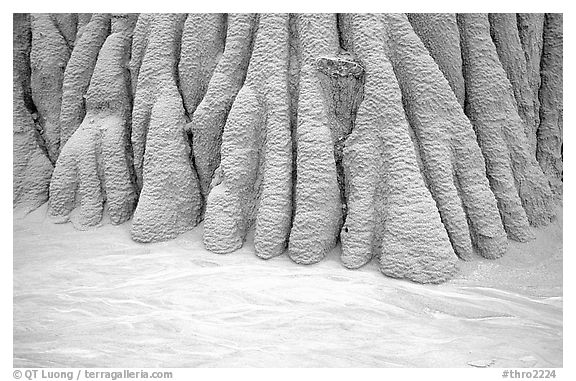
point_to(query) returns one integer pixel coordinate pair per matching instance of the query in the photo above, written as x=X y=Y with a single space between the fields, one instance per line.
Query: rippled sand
x=98 y=299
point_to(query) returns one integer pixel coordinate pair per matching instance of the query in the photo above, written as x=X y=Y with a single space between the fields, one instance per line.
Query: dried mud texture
x=230 y=209
x=255 y=180
x=317 y=205
x=549 y=152
x=170 y=202
x=78 y=74
x=520 y=187
x=93 y=171
x=83 y=20
x=504 y=32
x=22 y=40
x=158 y=70
x=207 y=122
x=202 y=46
x=48 y=58
x=32 y=169
x=139 y=44
x=409 y=236
x=531 y=30
x=440 y=35
x=67 y=25
x=452 y=162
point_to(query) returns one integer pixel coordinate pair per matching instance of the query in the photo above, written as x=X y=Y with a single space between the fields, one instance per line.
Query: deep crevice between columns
x=342 y=81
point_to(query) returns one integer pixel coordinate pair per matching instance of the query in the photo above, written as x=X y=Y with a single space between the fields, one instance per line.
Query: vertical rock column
x=93 y=172
x=318 y=211
x=269 y=63
x=32 y=169
x=202 y=46
x=530 y=30
x=139 y=44
x=409 y=235
x=209 y=116
x=83 y=20
x=342 y=81
x=549 y=151
x=78 y=73
x=170 y=202
x=254 y=180
x=504 y=32
x=439 y=33
x=67 y=25
x=452 y=161
x=21 y=46
x=158 y=68
x=49 y=56
x=230 y=208
x=522 y=191
x=361 y=154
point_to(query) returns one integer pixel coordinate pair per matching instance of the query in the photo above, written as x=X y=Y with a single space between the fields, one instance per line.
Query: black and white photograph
x=286 y=190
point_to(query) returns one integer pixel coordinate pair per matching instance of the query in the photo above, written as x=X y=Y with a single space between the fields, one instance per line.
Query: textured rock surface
x=549 y=152
x=78 y=73
x=413 y=139
x=409 y=237
x=230 y=205
x=93 y=172
x=263 y=103
x=504 y=32
x=21 y=46
x=139 y=44
x=439 y=33
x=67 y=25
x=32 y=169
x=157 y=70
x=451 y=159
x=202 y=44
x=169 y=202
x=317 y=205
x=517 y=182
x=210 y=115
x=531 y=30
x=48 y=58
x=83 y=20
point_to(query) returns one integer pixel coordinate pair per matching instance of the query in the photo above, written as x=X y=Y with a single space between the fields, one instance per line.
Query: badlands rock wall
x=417 y=140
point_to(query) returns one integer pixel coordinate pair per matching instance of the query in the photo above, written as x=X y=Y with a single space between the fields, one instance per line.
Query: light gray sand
x=97 y=298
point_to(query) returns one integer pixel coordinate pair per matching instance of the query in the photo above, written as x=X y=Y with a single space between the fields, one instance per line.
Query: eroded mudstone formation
x=169 y=202
x=32 y=169
x=406 y=232
x=317 y=205
x=531 y=31
x=79 y=72
x=549 y=149
x=506 y=37
x=416 y=140
x=255 y=188
x=517 y=180
x=450 y=157
x=211 y=102
x=93 y=172
x=202 y=45
x=48 y=58
x=439 y=34
x=156 y=60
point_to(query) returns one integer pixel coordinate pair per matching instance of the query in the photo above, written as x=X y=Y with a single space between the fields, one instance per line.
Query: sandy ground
x=98 y=299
